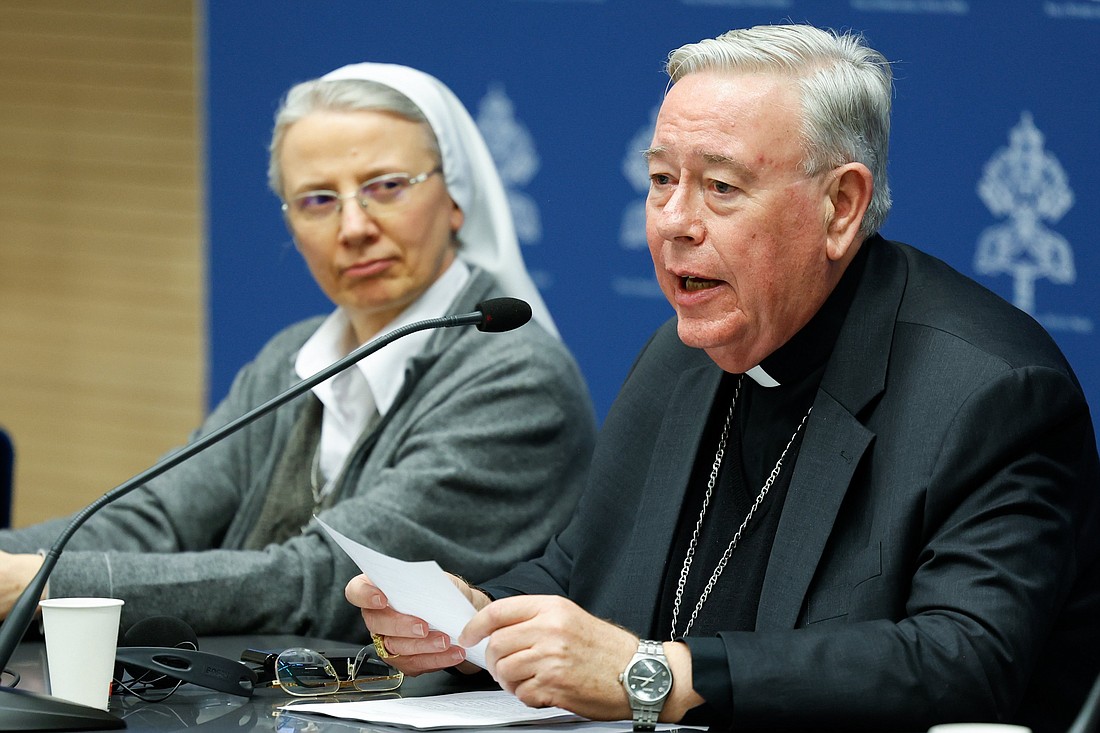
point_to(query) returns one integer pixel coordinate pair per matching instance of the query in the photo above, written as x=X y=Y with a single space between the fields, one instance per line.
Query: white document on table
x=464 y=710
x=483 y=709
x=419 y=589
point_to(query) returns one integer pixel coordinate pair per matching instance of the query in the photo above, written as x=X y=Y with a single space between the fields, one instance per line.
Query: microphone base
x=25 y=711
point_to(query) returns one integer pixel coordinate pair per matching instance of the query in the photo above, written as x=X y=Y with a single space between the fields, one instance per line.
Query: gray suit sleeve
x=481 y=465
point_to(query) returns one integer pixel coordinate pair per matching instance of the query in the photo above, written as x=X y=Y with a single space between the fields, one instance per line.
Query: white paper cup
x=81 y=640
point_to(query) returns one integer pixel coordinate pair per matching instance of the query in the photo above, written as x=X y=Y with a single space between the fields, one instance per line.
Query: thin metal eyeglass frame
x=349 y=683
x=364 y=200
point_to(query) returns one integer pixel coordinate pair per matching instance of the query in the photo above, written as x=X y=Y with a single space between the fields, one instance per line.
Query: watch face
x=648 y=680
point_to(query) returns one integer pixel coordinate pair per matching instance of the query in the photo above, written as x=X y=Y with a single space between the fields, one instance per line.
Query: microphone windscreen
x=503 y=314
x=166 y=631
x=160 y=631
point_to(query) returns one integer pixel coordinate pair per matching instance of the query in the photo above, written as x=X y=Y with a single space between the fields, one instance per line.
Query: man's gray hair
x=846 y=92
x=345 y=95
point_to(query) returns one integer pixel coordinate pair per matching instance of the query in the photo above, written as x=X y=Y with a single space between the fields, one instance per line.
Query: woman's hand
x=16 y=573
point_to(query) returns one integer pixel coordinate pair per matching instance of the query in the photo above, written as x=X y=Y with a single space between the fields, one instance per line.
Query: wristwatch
x=647 y=680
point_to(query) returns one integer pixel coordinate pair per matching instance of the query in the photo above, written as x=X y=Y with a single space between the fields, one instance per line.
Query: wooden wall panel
x=101 y=257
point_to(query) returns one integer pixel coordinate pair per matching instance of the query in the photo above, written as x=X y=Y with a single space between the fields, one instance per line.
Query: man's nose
x=680 y=218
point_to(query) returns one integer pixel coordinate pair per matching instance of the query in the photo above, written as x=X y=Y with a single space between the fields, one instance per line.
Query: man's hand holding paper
x=415 y=607
x=414 y=644
x=422 y=614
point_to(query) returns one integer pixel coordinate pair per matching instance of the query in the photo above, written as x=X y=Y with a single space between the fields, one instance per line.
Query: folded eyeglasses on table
x=307 y=673
x=154 y=673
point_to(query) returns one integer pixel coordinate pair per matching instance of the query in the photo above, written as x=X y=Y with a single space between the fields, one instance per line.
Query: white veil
x=488 y=235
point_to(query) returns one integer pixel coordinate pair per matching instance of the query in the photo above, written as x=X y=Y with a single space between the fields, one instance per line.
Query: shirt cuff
x=710 y=676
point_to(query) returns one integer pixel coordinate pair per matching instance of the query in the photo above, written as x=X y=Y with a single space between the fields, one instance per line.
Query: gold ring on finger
x=380 y=647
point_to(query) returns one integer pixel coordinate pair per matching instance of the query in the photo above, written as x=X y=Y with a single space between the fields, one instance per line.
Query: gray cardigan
x=479 y=461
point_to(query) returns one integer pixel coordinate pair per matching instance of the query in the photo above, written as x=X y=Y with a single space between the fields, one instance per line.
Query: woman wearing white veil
x=488 y=235
x=452 y=445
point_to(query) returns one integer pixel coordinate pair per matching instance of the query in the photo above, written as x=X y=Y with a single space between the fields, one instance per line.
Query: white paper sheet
x=419 y=589
x=463 y=710
x=459 y=710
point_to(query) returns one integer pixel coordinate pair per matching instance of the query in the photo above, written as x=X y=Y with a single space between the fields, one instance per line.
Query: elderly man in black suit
x=844 y=487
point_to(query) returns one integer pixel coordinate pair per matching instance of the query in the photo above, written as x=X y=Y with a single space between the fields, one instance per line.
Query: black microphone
x=503 y=314
x=495 y=315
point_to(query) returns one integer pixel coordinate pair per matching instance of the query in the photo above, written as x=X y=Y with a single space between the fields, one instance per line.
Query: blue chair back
x=7 y=477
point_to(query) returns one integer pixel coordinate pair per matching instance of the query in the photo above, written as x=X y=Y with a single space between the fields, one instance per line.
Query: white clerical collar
x=761 y=377
x=384 y=370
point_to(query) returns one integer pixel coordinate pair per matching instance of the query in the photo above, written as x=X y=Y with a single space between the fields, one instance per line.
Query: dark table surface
x=193 y=707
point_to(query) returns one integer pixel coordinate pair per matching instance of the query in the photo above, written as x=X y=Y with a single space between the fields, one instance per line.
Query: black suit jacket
x=936 y=558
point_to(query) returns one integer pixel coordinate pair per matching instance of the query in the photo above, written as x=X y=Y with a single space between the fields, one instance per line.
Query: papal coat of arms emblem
x=513 y=149
x=1027 y=185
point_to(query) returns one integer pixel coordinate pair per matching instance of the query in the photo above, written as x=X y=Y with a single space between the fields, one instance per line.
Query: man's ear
x=849 y=196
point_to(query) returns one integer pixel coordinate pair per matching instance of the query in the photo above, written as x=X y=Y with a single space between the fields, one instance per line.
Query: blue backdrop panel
x=995 y=161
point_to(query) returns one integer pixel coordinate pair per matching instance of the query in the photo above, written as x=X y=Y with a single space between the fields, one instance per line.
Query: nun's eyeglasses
x=377 y=194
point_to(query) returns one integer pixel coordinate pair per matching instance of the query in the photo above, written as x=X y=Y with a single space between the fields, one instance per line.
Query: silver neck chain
x=703 y=512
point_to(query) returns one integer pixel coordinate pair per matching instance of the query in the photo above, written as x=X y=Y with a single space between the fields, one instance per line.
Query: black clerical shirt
x=765 y=420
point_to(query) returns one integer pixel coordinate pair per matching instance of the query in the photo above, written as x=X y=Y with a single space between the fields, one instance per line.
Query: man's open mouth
x=691 y=283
